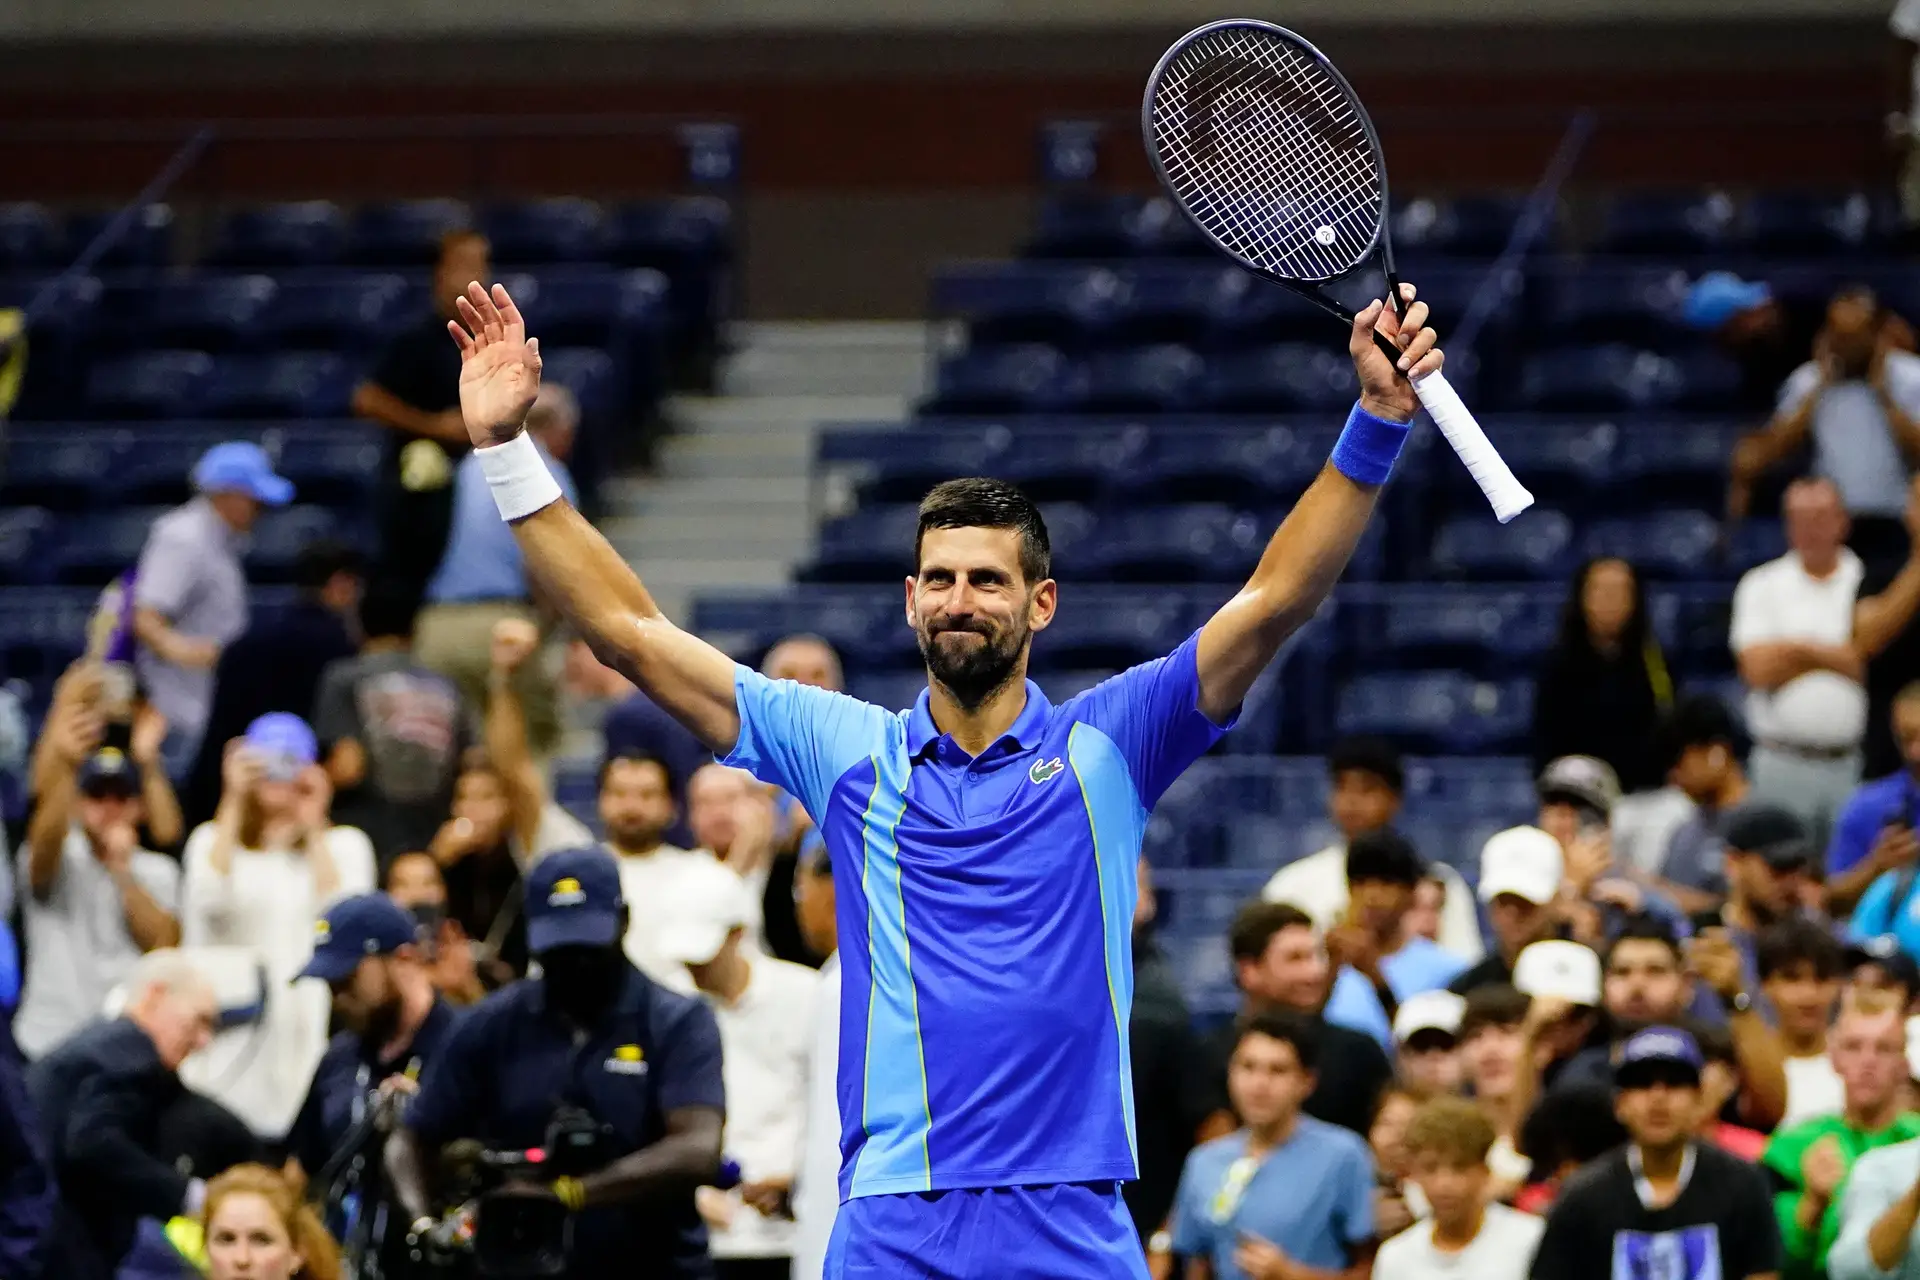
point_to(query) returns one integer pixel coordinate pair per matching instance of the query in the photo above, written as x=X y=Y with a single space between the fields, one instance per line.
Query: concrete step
x=702 y=497
x=724 y=414
x=826 y=371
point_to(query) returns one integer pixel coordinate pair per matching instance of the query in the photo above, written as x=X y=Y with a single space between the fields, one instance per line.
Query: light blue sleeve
x=1188 y=1228
x=1352 y=1003
x=1152 y=713
x=1874 y=915
x=1877 y=1180
x=1356 y=1199
x=802 y=739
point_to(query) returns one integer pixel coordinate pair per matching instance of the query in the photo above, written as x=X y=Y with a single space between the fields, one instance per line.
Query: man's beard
x=634 y=835
x=973 y=673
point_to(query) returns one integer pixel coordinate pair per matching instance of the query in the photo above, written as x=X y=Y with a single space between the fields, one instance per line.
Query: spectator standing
x=1279 y=963
x=1578 y=798
x=100 y=1097
x=636 y=808
x=190 y=589
x=276 y=663
x=394 y=732
x=816 y=1190
x=1521 y=869
x=482 y=581
x=1800 y=972
x=1396 y=1201
x=1468 y=1234
x=1888 y=642
x=1720 y=1087
x=1707 y=770
x=1426 y=1037
x=413 y=391
x=1605 y=683
x=1792 y=636
x=1170 y=1092
x=258 y=1226
x=1379 y=966
x=1665 y=1205
x=1878 y=964
x=1284 y=1190
x=735 y=818
x=1878 y=1214
x=92 y=900
x=258 y=877
x=1368 y=788
x=1561 y=980
x=1768 y=337
x=1811 y=1159
x=765 y=1011
x=806 y=659
x=1875 y=835
x=1563 y=1133
x=1493 y=1049
x=416 y=886
x=1768 y=860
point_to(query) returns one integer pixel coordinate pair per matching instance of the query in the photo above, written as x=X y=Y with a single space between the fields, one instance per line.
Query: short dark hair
x=632 y=757
x=1569 y=1126
x=1909 y=692
x=1281 y=1024
x=1697 y=720
x=1642 y=927
x=387 y=611
x=1790 y=943
x=1384 y=856
x=1254 y=928
x=1374 y=756
x=1498 y=1004
x=980 y=503
x=1715 y=1041
x=315 y=564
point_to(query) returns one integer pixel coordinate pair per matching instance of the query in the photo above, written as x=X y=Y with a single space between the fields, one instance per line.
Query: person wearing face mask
x=593 y=1034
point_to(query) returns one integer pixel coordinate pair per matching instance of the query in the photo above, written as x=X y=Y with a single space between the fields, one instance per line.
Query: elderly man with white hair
x=483 y=579
x=100 y=1098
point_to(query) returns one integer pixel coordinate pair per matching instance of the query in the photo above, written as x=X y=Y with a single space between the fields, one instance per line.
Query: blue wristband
x=1367 y=448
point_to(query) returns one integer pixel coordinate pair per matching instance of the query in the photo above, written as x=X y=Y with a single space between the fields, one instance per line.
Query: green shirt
x=1807 y=1251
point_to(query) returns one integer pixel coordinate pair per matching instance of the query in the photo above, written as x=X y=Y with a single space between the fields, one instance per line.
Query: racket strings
x=1268 y=152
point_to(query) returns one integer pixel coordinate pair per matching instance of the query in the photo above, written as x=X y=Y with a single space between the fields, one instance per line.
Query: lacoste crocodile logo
x=1043 y=770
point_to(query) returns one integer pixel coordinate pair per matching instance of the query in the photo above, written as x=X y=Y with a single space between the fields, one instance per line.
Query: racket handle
x=1489 y=470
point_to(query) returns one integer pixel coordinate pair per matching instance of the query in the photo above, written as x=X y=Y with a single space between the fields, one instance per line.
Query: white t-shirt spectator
x=1905 y=23
x=1780 y=600
x=650 y=883
x=1813 y=1089
x=269 y=903
x=77 y=941
x=766 y=1037
x=557 y=829
x=1853 y=445
x=1317 y=884
x=816 y=1188
x=1502 y=1251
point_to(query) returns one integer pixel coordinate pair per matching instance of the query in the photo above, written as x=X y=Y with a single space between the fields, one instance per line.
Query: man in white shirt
x=636 y=809
x=765 y=1011
x=1468 y=1236
x=1369 y=784
x=816 y=1189
x=1792 y=636
x=93 y=901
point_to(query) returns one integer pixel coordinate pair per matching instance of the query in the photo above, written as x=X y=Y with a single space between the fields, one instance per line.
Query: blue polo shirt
x=1420 y=965
x=511 y=1061
x=1312 y=1196
x=986 y=912
x=348 y=1071
x=1869 y=809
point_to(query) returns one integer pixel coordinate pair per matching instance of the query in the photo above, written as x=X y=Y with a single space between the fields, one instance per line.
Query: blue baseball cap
x=367 y=924
x=573 y=900
x=284 y=743
x=1718 y=296
x=108 y=771
x=241 y=466
x=1658 y=1053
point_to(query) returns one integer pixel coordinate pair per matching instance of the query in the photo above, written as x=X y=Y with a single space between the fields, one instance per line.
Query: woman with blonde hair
x=258 y=1226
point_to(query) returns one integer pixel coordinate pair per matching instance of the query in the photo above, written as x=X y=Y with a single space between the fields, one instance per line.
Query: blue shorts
x=1070 y=1231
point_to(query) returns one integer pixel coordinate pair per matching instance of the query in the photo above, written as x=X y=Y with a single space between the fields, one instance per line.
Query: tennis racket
x=1266 y=148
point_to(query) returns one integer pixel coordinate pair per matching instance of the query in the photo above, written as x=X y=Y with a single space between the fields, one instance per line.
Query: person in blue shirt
x=989 y=836
x=1875 y=834
x=1285 y=1194
x=593 y=1034
x=1379 y=965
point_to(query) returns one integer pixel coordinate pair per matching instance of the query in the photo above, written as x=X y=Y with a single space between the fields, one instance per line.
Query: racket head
x=1268 y=151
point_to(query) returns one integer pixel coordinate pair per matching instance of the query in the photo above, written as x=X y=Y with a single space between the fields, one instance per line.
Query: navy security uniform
x=512 y=1060
x=27 y=1197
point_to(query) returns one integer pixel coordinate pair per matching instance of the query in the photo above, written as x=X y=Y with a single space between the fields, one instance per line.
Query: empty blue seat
x=1155 y=379
x=1677 y=463
x=1754 y=542
x=1192 y=542
x=563 y=229
x=674 y=236
x=42 y=629
x=1072 y=465
x=868 y=545
x=1286 y=378
x=147 y=243
x=156 y=466
x=1537 y=545
x=1167 y=303
x=151 y=384
x=63 y=468
x=1670 y=222
x=1797 y=222
x=332 y=468
x=280 y=535
x=1615 y=376
x=1013 y=303
x=303 y=233
x=29 y=238
x=1021 y=379
x=905 y=464
x=344 y=311
x=1693 y=621
x=589 y=374
x=1438 y=711
x=1249 y=311
x=1636 y=305
x=289 y=384
x=1490 y=632
x=92 y=549
x=1472 y=226
x=1662 y=544
x=404 y=233
x=1084 y=226
x=1499 y=789
x=583 y=306
x=1246 y=465
x=1157 y=229
x=1108 y=627
x=26 y=534
x=203 y=313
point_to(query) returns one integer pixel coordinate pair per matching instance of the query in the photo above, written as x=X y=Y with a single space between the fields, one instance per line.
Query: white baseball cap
x=706 y=902
x=1524 y=861
x=1428 y=1011
x=1559 y=969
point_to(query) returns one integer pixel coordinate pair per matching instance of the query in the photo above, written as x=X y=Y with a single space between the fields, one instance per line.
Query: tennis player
x=983 y=843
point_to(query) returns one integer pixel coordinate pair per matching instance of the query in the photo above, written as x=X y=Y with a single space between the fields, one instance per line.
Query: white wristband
x=518 y=476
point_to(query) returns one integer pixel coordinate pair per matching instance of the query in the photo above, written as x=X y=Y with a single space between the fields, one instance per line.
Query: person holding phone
x=1875 y=835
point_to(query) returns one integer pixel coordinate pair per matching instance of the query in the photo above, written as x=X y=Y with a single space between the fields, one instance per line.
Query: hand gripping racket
x=1265 y=146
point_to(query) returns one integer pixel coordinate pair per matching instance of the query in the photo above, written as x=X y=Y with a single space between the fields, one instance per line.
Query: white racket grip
x=1489 y=470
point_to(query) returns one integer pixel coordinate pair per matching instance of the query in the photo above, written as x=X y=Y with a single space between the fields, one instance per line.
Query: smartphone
x=1705 y=920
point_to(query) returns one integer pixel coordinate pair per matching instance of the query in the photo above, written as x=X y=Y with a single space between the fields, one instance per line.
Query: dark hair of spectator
x=386 y=881
x=1569 y=1127
x=1574 y=636
x=1374 y=756
x=315 y=565
x=1697 y=720
x=1791 y=943
x=1494 y=1005
x=980 y=503
x=1383 y=856
x=1253 y=929
x=1281 y=1024
x=1715 y=1041
x=634 y=757
x=1454 y=1129
x=1642 y=927
x=1909 y=692
x=387 y=612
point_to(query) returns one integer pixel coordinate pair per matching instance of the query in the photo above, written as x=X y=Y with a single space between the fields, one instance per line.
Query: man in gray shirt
x=1879 y=1209
x=190 y=591
x=1706 y=768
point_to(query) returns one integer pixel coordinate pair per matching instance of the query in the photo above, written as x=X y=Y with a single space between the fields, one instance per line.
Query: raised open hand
x=499 y=365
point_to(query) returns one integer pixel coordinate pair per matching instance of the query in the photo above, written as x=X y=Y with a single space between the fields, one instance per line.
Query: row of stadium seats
x=1796 y=223
x=38 y=547
x=85 y=467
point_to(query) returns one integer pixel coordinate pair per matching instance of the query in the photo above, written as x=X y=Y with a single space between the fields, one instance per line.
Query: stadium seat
x=1291 y=377
x=1155 y=379
x=1487 y=631
x=1565 y=464
x=289 y=384
x=1670 y=222
x=869 y=545
x=305 y=233
x=1084 y=226
x=1615 y=377
x=341 y=311
x=155 y=467
x=901 y=465
x=213 y=312
x=1159 y=230
x=1249 y=311
x=147 y=243
x=1112 y=627
x=1021 y=379
x=42 y=629
x=280 y=535
x=1754 y=542
x=691 y=234
x=91 y=550
x=1537 y=545
x=26 y=534
x=1011 y=303
x=1438 y=711
x=1668 y=545
x=1499 y=789
x=29 y=237
x=63 y=468
x=1242 y=465
x=1804 y=224
x=404 y=233
x=583 y=306
x=1193 y=542
x=1075 y=464
x=1674 y=463
x=1169 y=302
x=1472 y=226
x=334 y=469
x=564 y=229
x=589 y=374
x=153 y=384
x=1593 y=302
